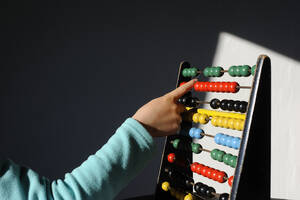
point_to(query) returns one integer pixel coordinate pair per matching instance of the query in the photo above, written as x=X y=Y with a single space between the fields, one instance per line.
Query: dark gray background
x=72 y=72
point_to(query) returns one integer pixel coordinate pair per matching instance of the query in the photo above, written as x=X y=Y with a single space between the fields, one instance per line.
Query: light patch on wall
x=285 y=166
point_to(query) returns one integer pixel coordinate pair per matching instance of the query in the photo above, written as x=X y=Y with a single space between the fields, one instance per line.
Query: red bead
x=221 y=177
x=226 y=87
x=208 y=172
x=216 y=86
x=201 y=87
x=171 y=157
x=210 y=86
x=221 y=87
x=182 y=83
x=194 y=166
x=206 y=84
x=233 y=87
x=230 y=180
x=199 y=168
x=214 y=174
x=196 y=86
x=204 y=170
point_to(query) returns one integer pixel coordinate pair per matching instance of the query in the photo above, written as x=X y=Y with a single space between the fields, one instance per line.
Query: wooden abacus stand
x=252 y=173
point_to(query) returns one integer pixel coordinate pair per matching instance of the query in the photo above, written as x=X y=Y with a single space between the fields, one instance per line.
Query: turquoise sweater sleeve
x=101 y=176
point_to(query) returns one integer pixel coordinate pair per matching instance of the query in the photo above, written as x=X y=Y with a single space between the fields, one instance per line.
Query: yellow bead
x=165 y=186
x=241 y=127
x=231 y=123
x=236 y=124
x=196 y=117
x=220 y=121
x=188 y=197
x=225 y=122
x=203 y=119
x=214 y=121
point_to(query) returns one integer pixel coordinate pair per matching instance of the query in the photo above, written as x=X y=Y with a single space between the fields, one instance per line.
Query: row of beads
x=200 y=188
x=229 y=87
x=227 y=140
x=208 y=172
x=189 y=72
x=200 y=118
x=220 y=138
x=213 y=72
x=222 y=156
x=224 y=122
x=239 y=70
x=214 y=113
x=225 y=104
x=207 y=191
x=230 y=105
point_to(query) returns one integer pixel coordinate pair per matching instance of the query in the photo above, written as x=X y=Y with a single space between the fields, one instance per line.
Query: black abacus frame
x=252 y=174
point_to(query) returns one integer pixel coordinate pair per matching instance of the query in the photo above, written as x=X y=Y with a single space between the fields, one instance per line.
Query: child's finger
x=180 y=91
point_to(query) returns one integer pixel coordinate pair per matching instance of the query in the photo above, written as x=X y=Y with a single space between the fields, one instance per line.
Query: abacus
x=222 y=150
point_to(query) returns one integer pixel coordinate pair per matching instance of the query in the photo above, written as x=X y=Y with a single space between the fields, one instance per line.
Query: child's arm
x=105 y=173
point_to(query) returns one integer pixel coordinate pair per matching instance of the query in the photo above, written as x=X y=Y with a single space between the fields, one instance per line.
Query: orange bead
x=230 y=180
x=171 y=157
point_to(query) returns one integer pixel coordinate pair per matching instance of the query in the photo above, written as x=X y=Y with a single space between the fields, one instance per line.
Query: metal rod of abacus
x=245 y=87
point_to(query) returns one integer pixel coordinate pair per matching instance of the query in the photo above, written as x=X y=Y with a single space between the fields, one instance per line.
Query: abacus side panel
x=162 y=176
x=252 y=176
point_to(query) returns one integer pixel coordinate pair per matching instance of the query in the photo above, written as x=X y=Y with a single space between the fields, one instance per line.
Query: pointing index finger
x=180 y=91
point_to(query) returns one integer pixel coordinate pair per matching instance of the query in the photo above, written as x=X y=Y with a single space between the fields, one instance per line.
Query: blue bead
x=229 y=141
x=191 y=132
x=223 y=140
x=218 y=137
x=198 y=133
x=236 y=142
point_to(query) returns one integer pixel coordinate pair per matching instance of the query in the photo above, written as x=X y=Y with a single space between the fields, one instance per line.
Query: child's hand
x=161 y=116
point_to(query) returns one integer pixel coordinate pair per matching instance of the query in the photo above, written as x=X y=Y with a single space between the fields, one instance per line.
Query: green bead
x=226 y=158
x=220 y=155
x=206 y=72
x=211 y=72
x=218 y=71
x=245 y=70
x=193 y=71
x=176 y=143
x=237 y=70
x=231 y=70
x=188 y=72
x=253 y=70
x=233 y=161
x=213 y=154
x=184 y=72
x=196 y=148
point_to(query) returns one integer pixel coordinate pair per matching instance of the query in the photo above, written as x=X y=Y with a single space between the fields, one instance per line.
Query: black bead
x=193 y=102
x=224 y=196
x=209 y=192
x=197 y=187
x=188 y=182
x=203 y=189
x=182 y=100
x=215 y=103
x=236 y=106
x=224 y=104
x=243 y=106
x=230 y=105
